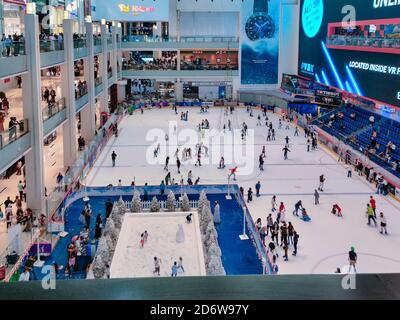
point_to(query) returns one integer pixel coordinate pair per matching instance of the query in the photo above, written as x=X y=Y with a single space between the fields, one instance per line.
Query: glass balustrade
x=53 y=108
x=10 y=49
x=51 y=45
x=16 y=131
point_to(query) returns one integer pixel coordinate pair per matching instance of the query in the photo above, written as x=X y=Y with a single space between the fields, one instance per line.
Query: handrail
x=53 y=108
x=13 y=133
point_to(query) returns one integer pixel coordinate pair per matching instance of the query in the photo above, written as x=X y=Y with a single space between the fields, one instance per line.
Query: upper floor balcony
x=12 y=58
x=13 y=143
x=198 y=42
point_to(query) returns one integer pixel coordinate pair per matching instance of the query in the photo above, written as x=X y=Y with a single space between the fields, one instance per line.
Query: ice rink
x=324 y=242
x=131 y=260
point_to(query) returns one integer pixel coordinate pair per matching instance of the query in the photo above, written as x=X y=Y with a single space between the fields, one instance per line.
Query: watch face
x=260 y=26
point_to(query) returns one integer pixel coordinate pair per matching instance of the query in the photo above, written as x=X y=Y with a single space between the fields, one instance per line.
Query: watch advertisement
x=352 y=45
x=259 y=42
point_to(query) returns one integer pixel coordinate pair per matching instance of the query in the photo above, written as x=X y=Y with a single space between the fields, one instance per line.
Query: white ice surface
x=324 y=242
x=131 y=260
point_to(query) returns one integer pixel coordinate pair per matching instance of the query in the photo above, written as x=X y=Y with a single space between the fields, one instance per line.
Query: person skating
x=308 y=145
x=285 y=152
x=273 y=203
x=249 y=195
x=372 y=202
x=383 y=221
x=297 y=207
x=275 y=232
x=261 y=162
x=270 y=223
x=168 y=178
x=370 y=214
x=290 y=229
x=166 y=163
x=336 y=210
x=258 y=187
x=198 y=162
x=221 y=163
x=113 y=158
x=272 y=248
x=284 y=234
x=296 y=131
x=178 y=165
x=352 y=259
x=174 y=269
x=321 y=183
x=295 y=242
x=157 y=263
x=281 y=212
x=287 y=140
x=233 y=173
x=316 y=197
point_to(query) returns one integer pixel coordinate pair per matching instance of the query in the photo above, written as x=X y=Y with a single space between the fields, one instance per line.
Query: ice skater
x=157 y=266
x=189 y=218
x=285 y=152
x=370 y=215
x=221 y=163
x=383 y=223
x=336 y=210
x=273 y=203
x=174 y=269
x=298 y=206
x=181 y=270
x=178 y=165
x=316 y=197
x=166 y=163
x=321 y=182
x=113 y=158
x=233 y=173
x=352 y=259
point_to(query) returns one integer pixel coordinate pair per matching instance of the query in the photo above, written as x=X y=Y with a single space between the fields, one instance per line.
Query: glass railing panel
x=15 y=48
x=79 y=43
x=80 y=92
x=53 y=108
x=51 y=45
x=17 y=130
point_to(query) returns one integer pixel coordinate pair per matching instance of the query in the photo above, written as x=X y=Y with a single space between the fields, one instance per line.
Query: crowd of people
x=136 y=61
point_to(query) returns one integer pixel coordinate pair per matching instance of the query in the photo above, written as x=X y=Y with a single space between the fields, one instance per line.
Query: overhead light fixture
x=113 y=23
x=88 y=19
x=31 y=8
x=119 y=25
x=103 y=21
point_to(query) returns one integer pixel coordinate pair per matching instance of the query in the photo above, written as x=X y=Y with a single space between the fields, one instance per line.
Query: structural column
x=178 y=90
x=88 y=114
x=114 y=51
x=68 y=89
x=103 y=98
x=31 y=97
x=119 y=51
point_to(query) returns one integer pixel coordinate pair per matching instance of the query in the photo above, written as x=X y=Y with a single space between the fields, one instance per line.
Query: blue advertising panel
x=130 y=10
x=353 y=45
x=260 y=42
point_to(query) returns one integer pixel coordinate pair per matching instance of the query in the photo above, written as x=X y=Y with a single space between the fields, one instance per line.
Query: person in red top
x=338 y=210
x=233 y=173
x=372 y=202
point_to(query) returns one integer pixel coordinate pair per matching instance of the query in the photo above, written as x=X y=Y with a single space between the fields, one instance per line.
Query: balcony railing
x=97 y=41
x=109 y=74
x=53 y=108
x=149 y=66
x=79 y=93
x=13 y=133
x=364 y=42
x=191 y=66
x=182 y=39
x=109 y=39
x=51 y=45
x=80 y=43
x=16 y=48
x=98 y=81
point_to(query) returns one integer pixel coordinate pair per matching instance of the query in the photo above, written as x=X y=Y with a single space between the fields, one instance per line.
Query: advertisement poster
x=353 y=45
x=130 y=10
x=260 y=42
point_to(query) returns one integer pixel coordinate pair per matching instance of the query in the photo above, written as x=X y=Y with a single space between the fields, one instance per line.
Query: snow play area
x=131 y=260
x=324 y=241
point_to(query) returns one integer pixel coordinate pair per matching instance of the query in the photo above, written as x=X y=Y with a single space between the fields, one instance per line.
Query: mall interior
x=83 y=79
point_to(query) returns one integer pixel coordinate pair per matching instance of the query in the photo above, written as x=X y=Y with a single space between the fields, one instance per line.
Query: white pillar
x=33 y=113
x=88 y=123
x=121 y=89
x=178 y=90
x=114 y=51
x=103 y=98
x=68 y=89
x=119 y=52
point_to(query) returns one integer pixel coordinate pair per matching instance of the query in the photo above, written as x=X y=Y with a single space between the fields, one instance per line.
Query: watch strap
x=260 y=6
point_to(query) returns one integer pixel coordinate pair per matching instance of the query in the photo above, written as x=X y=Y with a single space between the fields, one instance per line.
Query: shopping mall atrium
x=174 y=143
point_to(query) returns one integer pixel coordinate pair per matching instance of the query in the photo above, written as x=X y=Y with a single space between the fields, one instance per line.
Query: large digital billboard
x=130 y=10
x=259 y=42
x=353 y=45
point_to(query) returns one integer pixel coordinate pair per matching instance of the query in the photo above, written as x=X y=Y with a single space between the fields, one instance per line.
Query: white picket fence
x=194 y=204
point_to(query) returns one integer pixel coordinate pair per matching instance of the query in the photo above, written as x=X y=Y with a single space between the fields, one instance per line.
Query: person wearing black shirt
x=352 y=259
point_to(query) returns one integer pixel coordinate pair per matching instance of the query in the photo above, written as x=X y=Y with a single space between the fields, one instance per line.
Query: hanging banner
x=259 y=42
